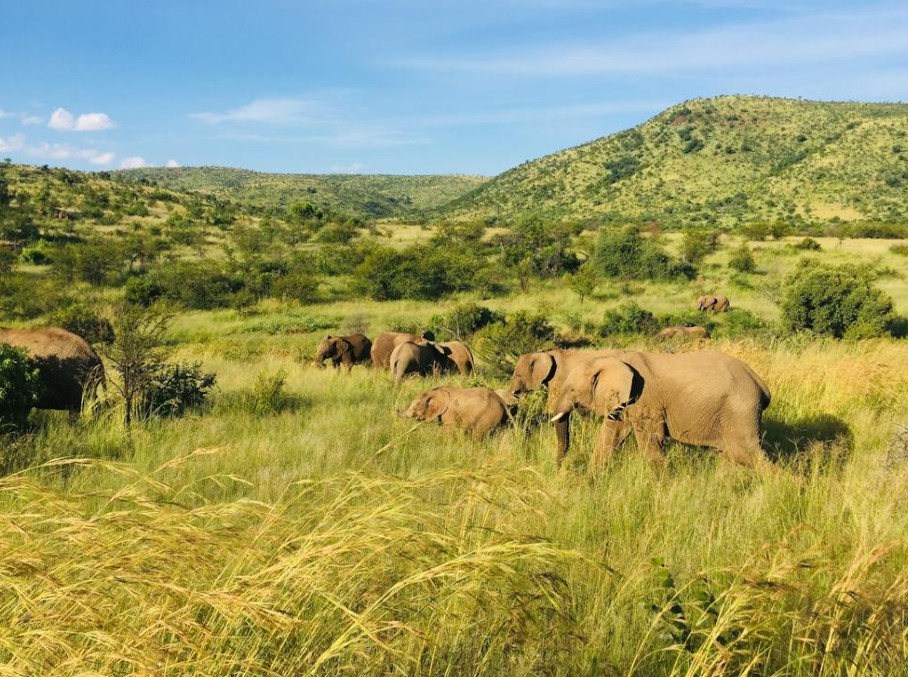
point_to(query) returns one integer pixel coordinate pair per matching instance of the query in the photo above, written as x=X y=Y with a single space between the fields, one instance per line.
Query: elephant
x=346 y=350
x=460 y=357
x=713 y=303
x=385 y=343
x=425 y=357
x=676 y=332
x=69 y=370
x=477 y=410
x=707 y=399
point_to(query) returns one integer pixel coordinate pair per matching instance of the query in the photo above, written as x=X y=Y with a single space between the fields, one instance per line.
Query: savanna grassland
x=292 y=524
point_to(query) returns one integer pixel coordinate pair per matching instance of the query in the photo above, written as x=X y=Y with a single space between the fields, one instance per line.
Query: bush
x=837 y=301
x=465 y=320
x=629 y=318
x=175 y=388
x=20 y=386
x=808 y=244
x=626 y=254
x=82 y=320
x=500 y=344
x=420 y=272
x=900 y=249
x=742 y=259
x=697 y=245
x=268 y=395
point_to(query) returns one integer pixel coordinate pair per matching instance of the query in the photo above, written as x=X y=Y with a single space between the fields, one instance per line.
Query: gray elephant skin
x=70 y=371
x=344 y=350
x=713 y=303
x=460 y=357
x=696 y=332
x=385 y=343
x=477 y=411
x=706 y=399
x=422 y=358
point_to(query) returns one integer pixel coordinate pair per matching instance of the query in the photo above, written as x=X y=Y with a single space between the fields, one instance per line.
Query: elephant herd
x=704 y=398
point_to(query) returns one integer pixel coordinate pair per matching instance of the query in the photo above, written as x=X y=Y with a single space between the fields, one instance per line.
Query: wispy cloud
x=6 y=114
x=172 y=164
x=355 y=168
x=62 y=120
x=134 y=162
x=28 y=119
x=267 y=111
x=12 y=143
x=821 y=38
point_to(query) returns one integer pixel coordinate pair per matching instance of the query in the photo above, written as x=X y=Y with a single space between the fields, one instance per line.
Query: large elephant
x=385 y=343
x=70 y=371
x=477 y=410
x=424 y=358
x=708 y=399
x=344 y=350
x=461 y=357
x=696 y=332
x=715 y=303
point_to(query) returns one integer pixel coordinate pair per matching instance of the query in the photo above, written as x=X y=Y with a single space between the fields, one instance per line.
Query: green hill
x=367 y=196
x=727 y=160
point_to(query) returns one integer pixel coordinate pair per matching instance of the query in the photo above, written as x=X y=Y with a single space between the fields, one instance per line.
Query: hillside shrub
x=742 y=259
x=175 y=388
x=840 y=301
x=627 y=254
x=629 y=318
x=500 y=344
x=419 y=272
x=808 y=244
x=20 y=386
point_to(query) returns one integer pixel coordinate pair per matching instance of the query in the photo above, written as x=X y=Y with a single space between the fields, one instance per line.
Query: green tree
x=742 y=259
x=583 y=282
x=697 y=245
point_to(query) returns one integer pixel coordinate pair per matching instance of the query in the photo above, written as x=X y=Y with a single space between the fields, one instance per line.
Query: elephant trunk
x=562 y=423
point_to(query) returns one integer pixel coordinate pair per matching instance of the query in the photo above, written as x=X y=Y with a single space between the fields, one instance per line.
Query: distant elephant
x=708 y=399
x=477 y=410
x=682 y=332
x=344 y=350
x=70 y=371
x=385 y=343
x=713 y=303
x=461 y=357
x=422 y=358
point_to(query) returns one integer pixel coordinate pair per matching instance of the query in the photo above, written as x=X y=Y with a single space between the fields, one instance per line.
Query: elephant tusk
x=558 y=417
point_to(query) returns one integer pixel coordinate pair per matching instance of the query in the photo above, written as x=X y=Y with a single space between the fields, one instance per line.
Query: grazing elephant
x=713 y=303
x=421 y=358
x=69 y=370
x=385 y=343
x=509 y=400
x=708 y=399
x=343 y=350
x=682 y=332
x=460 y=357
x=477 y=410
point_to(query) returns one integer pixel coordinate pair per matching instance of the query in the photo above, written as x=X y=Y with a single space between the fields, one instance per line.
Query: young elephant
x=343 y=350
x=707 y=399
x=477 y=410
x=460 y=357
x=681 y=332
x=713 y=303
x=418 y=358
x=385 y=343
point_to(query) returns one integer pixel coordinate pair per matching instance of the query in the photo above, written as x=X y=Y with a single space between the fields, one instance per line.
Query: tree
x=697 y=245
x=583 y=282
x=742 y=259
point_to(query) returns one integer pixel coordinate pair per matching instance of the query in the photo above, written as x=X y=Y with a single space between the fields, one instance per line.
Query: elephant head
x=531 y=372
x=605 y=386
x=428 y=406
x=331 y=347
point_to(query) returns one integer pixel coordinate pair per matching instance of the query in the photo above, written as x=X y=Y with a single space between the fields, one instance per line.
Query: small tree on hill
x=583 y=282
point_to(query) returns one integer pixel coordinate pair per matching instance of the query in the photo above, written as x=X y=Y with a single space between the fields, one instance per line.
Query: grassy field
x=313 y=532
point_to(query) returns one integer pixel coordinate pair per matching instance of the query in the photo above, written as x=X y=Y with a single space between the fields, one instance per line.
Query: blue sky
x=407 y=86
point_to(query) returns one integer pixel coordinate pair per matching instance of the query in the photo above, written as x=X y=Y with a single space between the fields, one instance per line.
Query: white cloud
x=266 y=111
x=61 y=119
x=63 y=151
x=133 y=162
x=31 y=119
x=102 y=159
x=355 y=168
x=172 y=164
x=12 y=143
x=5 y=114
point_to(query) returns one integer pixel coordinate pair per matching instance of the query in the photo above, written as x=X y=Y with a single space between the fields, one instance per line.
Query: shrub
x=175 y=388
x=626 y=254
x=742 y=259
x=500 y=344
x=629 y=318
x=837 y=301
x=20 y=386
x=900 y=249
x=465 y=320
x=697 y=245
x=268 y=395
x=808 y=244
x=82 y=320
x=583 y=281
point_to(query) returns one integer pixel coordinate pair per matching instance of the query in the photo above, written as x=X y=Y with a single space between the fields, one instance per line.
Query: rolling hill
x=725 y=160
x=366 y=196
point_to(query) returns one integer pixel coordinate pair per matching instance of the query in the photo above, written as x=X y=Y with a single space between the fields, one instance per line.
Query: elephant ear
x=541 y=370
x=343 y=347
x=437 y=403
x=613 y=386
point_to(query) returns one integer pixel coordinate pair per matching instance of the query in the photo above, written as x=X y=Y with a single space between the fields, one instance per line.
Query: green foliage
x=629 y=318
x=583 y=282
x=267 y=396
x=742 y=259
x=808 y=244
x=418 y=272
x=8 y=260
x=900 y=249
x=84 y=321
x=697 y=245
x=840 y=301
x=499 y=344
x=627 y=254
x=20 y=386
x=175 y=388
x=536 y=248
x=464 y=320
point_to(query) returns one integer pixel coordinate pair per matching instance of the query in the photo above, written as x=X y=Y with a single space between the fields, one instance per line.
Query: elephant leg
x=563 y=433
x=611 y=435
x=650 y=434
x=747 y=452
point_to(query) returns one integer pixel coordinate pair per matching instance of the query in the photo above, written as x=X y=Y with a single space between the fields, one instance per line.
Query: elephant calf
x=713 y=303
x=422 y=358
x=385 y=343
x=460 y=357
x=681 y=332
x=344 y=350
x=477 y=411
